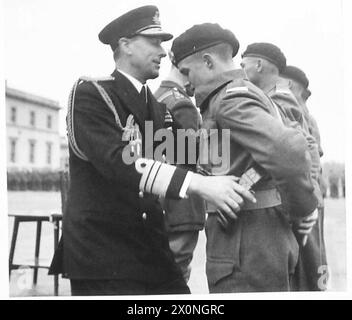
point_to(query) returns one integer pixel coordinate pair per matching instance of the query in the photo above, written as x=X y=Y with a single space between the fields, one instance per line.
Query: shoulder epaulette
x=173 y=92
x=237 y=89
x=283 y=89
x=86 y=78
x=164 y=96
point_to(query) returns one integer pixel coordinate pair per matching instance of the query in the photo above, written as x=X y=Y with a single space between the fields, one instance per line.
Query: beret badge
x=156 y=18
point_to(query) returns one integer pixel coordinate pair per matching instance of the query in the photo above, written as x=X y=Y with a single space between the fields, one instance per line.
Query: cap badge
x=156 y=18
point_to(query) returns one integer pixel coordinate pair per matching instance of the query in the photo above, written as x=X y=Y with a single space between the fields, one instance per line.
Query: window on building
x=48 y=152
x=13 y=114
x=13 y=143
x=49 y=121
x=31 y=151
x=32 y=118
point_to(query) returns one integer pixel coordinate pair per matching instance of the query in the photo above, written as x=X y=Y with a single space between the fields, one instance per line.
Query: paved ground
x=21 y=280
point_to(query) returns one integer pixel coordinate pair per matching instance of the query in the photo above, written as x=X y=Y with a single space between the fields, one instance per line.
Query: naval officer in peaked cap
x=114 y=238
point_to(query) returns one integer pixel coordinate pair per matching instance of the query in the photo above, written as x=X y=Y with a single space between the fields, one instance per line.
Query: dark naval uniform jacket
x=184 y=214
x=111 y=230
x=258 y=251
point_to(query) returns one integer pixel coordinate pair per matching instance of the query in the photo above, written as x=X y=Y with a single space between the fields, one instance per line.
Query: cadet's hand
x=305 y=226
x=222 y=191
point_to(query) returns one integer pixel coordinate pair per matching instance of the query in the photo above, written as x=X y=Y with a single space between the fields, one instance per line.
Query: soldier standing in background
x=184 y=218
x=312 y=264
x=263 y=63
x=258 y=251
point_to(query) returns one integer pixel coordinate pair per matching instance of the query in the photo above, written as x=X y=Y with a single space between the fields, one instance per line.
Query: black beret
x=268 y=52
x=200 y=37
x=140 y=21
x=296 y=74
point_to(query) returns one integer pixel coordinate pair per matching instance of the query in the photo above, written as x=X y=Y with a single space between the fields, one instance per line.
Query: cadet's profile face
x=249 y=66
x=145 y=57
x=186 y=84
x=189 y=89
x=195 y=70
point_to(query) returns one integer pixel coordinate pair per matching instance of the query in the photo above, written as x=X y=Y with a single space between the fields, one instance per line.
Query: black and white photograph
x=174 y=149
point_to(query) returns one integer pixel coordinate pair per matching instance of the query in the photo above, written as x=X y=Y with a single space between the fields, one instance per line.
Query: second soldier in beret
x=312 y=261
x=257 y=251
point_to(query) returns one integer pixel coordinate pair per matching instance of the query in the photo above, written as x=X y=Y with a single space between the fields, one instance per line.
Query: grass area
x=20 y=284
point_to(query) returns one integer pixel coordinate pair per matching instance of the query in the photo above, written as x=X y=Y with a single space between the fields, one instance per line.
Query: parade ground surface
x=21 y=280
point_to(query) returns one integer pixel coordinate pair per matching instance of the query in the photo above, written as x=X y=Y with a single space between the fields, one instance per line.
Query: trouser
x=257 y=252
x=89 y=287
x=182 y=244
x=312 y=272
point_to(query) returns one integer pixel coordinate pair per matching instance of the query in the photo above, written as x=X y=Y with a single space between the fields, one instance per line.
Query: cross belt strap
x=70 y=113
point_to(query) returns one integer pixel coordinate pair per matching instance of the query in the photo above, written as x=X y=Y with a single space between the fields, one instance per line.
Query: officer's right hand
x=222 y=191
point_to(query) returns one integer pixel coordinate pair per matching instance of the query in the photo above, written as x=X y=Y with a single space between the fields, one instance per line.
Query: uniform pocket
x=223 y=248
x=217 y=270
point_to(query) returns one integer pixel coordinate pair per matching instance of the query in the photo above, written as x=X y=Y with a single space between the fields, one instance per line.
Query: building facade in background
x=64 y=153
x=33 y=138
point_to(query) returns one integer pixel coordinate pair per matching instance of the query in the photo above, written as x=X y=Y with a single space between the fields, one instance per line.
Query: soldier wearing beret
x=299 y=83
x=114 y=239
x=263 y=63
x=256 y=251
x=312 y=261
x=184 y=218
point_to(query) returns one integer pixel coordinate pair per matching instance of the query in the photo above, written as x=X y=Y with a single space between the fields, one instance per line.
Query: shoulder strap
x=70 y=113
x=165 y=95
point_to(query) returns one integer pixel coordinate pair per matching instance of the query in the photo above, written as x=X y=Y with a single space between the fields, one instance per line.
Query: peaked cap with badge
x=143 y=21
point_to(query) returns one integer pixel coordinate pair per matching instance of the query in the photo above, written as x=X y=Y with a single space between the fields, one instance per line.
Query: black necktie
x=144 y=97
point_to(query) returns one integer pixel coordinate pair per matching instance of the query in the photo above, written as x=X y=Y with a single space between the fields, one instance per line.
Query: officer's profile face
x=145 y=54
x=195 y=70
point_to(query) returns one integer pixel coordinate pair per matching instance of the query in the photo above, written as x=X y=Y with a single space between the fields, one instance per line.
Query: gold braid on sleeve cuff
x=156 y=176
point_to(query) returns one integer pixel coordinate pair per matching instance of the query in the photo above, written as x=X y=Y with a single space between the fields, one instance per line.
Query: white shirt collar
x=137 y=84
